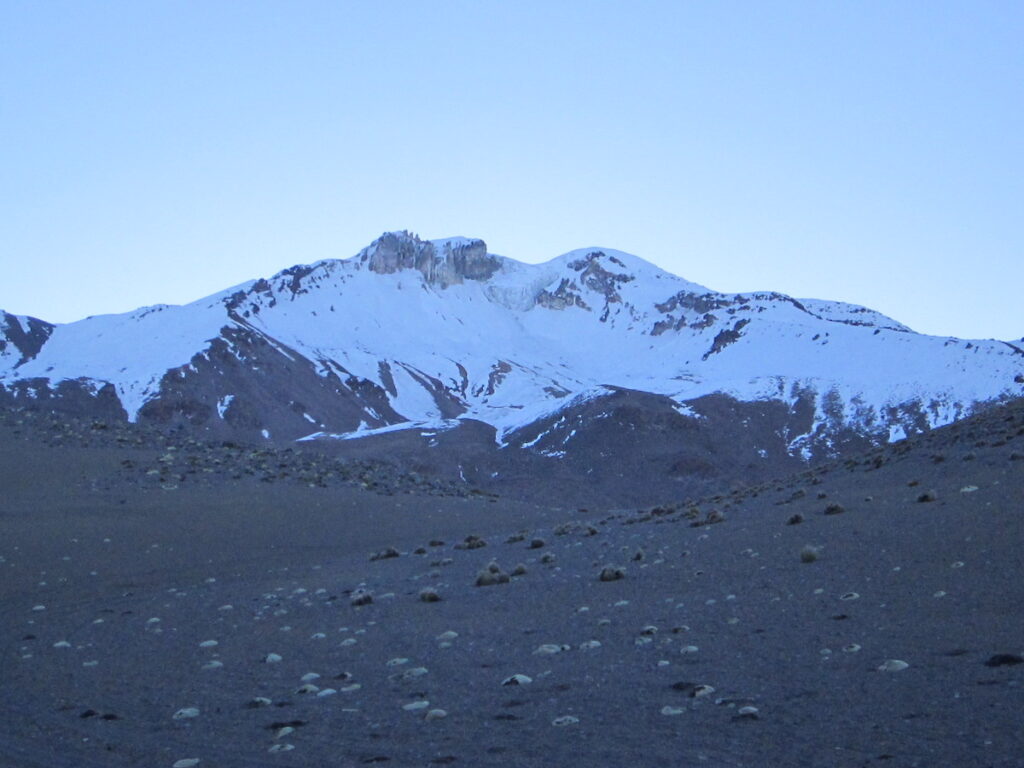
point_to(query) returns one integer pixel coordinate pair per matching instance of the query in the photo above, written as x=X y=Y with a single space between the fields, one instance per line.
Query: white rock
x=549 y=649
x=565 y=720
x=209 y=644
x=893 y=665
x=187 y=762
x=413 y=706
x=672 y=710
x=186 y=713
x=272 y=658
x=517 y=679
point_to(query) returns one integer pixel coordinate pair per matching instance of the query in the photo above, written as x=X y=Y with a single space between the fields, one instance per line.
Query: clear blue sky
x=871 y=152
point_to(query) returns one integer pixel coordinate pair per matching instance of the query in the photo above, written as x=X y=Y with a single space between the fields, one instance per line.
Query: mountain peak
x=444 y=262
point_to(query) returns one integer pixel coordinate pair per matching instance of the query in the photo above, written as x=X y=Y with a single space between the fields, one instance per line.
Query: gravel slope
x=719 y=646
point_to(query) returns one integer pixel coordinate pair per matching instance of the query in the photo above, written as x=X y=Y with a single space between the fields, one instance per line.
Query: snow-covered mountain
x=412 y=333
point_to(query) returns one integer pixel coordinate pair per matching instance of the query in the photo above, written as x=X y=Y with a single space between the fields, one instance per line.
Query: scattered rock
x=893 y=665
x=361 y=597
x=385 y=554
x=517 y=679
x=186 y=713
x=612 y=573
x=565 y=720
x=487 y=578
x=1003 y=660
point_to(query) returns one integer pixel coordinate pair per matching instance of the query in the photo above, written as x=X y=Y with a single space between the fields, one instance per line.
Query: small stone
x=307 y=688
x=272 y=658
x=834 y=509
x=517 y=679
x=385 y=554
x=361 y=597
x=309 y=677
x=612 y=573
x=809 y=554
x=281 y=748
x=1004 y=660
x=565 y=720
x=549 y=649
x=62 y=644
x=429 y=595
x=186 y=713
x=326 y=692
x=487 y=578
x=414 y=706
x=928 y=496
x=208 y=644
x=188 y=762
x=893 y=665
x=589 y=645
x=213 y=664
x=849 y=596
x=671 y=711
x=258 y=702
x=435 y=714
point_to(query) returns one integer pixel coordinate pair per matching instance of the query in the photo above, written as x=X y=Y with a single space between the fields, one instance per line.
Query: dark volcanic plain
x=146 y=582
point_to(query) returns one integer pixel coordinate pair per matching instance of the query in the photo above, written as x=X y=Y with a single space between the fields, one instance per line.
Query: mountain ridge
x=429 y=334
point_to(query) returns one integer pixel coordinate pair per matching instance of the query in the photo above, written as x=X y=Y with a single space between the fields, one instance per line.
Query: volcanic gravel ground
x=220 y=623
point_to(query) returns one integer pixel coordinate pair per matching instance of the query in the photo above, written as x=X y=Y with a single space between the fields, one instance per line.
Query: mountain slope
x=427 y=333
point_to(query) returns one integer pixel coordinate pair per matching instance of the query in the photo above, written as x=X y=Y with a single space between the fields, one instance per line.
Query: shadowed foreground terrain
x=865 y=612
